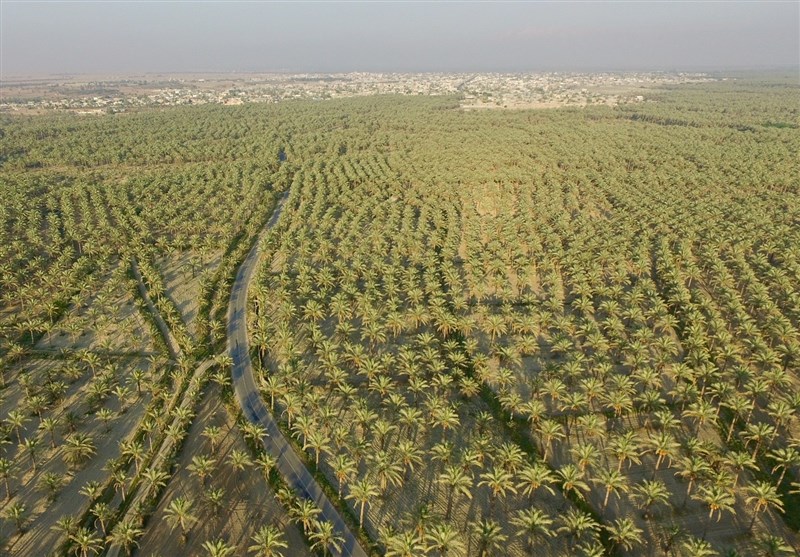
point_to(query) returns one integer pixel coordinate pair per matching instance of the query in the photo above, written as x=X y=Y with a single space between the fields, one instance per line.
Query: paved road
x=289 y=465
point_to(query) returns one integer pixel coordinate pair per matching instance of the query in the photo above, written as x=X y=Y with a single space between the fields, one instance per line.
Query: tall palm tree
x=6 y=466
x=624 y=533
x=458 y=481
x=444 y=538
x=361 y=492
x=125 y=534
x=577 y=524
x=500 y=484
x=613 y=481
x=17 y=513
x=533 y=524
x=649 y=493
x=535 y=476
x=324 y=537
x=717 y=499
x=490 y=536
x=762 y=496
x=86 y=542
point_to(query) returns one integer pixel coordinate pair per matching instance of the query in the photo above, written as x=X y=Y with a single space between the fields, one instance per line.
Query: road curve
x=289 y=465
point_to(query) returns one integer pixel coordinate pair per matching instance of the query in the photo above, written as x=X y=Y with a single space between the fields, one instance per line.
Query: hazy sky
x=134 y=37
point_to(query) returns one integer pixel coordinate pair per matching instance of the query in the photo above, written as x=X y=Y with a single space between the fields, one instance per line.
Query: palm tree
x=649 y=493
x=326 y=538
x=458 y=481
x=692 y=468
x=103 y=512
x=305 y=512
x=267 y=542
x=490 y=536
x=784 y=458
x=499 y=482
x=344 y=468
x=319 y=442
x=625 y=447
x=664 y=446
x=16 y=512
x=717 y=499
x=577 y=524
x=125 y=535
x=572 y=480
x=179 y=513
x=623 y=532
x=533 y=524
x=694 y=547
x=771 y=545
x=51 y=483
x=614 y=481
x=443 y=538
x=86 y=542
x=549 y=430
x=535 y=476
x=762 y=496
x=218 y=548
x=78 y=447
x=361 y=492
x=49 y=424
x=202 y=466
x=6 y=473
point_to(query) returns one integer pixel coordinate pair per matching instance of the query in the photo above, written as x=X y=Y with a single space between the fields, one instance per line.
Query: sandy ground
x=183 y=284
x=250 y=502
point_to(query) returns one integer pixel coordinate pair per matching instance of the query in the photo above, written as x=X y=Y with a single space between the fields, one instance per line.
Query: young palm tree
x=694 y=547
x=179 y=513
x=771 y=545
x=268 y=542
x=78 y=447
x=202 y=466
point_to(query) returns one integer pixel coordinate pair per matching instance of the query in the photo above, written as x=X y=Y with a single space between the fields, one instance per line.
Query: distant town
x=98 y=95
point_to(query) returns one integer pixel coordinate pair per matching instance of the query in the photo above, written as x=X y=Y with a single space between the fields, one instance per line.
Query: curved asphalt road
x=289 y=465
